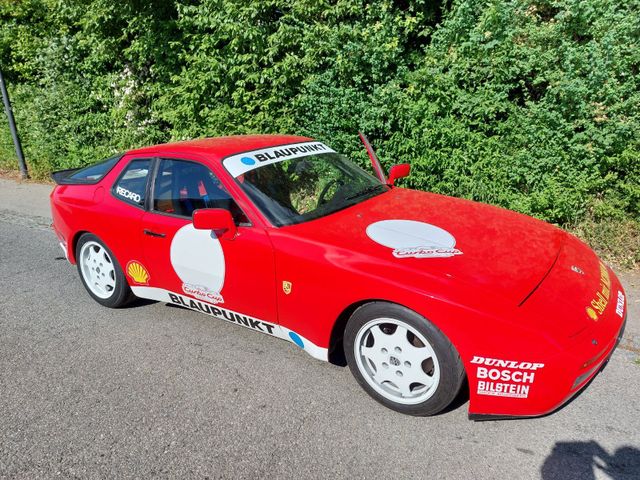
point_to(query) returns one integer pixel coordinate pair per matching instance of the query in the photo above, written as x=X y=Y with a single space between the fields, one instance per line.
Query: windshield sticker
x=409 y=238
x=241 y=163
x=198 y=260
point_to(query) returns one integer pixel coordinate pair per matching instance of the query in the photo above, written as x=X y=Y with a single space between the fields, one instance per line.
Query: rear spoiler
x=87 y=175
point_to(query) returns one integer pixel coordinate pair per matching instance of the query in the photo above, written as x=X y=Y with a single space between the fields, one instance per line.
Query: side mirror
x=398 y=171
x=217 y=219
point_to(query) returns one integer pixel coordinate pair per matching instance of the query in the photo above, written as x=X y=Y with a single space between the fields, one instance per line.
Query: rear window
x=87 y=175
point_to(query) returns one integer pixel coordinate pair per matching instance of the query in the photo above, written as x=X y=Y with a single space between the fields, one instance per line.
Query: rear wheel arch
x=74 y=243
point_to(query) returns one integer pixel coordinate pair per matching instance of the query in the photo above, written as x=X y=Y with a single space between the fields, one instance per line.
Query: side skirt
x=272 y=329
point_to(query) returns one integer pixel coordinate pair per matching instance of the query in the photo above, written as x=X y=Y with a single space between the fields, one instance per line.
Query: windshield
x=306 y=187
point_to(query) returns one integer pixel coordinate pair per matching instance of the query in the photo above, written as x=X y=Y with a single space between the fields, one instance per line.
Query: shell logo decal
x=137 y=272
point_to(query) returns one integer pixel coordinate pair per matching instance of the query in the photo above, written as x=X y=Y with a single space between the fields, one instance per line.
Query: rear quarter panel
x=92 y=208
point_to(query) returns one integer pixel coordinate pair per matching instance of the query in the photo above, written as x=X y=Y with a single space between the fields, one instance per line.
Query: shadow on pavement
x=138 y=302
x=581 y=460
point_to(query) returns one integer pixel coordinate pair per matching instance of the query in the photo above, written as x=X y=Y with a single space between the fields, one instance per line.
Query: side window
x=132 y=184
x=182 y=186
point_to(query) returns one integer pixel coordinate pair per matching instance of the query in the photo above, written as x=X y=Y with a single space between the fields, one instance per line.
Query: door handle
x=154 y=234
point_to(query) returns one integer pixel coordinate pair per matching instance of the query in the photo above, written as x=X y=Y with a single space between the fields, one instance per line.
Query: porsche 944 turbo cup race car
x=282 y=235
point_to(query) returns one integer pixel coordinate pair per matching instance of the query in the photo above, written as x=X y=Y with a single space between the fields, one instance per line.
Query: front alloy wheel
x=401 y=359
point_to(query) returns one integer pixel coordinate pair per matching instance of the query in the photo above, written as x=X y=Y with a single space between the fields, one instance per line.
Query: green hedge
x=532 y=105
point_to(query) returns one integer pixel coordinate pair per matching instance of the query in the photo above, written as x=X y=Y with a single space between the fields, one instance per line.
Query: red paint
x=511 y=295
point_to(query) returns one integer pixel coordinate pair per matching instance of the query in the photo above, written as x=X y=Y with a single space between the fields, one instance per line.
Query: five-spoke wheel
x=100 y=272
x=97 y=269
x=401 y=359
x=397 y=361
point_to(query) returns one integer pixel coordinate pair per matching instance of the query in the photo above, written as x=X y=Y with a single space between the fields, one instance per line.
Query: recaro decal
x=241 y=163
x=128 y=194
x=505 y=378
x=198 y=260
x=409 y=238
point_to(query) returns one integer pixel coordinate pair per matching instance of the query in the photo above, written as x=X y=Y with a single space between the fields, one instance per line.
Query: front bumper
x=579 y=385
x=570 y=360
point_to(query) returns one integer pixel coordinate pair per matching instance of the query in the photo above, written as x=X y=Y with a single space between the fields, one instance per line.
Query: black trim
x=154 y=234
x=479 y=417
x=63 y=177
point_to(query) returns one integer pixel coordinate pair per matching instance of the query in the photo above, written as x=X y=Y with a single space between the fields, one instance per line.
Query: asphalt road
x=151 y=390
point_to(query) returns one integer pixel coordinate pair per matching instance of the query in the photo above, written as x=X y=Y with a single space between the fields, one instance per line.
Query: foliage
x=533 y=105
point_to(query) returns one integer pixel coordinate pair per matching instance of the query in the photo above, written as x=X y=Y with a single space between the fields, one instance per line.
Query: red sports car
x=418 y=291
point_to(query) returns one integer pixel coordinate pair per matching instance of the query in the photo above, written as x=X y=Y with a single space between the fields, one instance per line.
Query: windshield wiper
x=369 y=189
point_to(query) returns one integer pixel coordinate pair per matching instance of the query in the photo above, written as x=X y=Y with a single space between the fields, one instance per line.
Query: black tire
x=446 y=364
x=120 y=294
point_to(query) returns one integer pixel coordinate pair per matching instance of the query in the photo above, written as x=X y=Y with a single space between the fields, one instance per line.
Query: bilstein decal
x=599 y=303
x=198 y=260
x=245 y=162
x=409 y=238
x=138 y=274
x=505 y=378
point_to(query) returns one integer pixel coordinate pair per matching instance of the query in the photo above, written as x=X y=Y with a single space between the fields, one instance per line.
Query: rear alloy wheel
x=100 y=273
x=401 y=359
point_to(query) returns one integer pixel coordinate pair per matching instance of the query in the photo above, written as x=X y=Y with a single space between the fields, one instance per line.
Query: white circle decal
x=409 y=238
x=198 y=259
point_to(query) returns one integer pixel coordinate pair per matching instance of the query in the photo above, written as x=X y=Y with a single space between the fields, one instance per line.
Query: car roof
x=221 y=147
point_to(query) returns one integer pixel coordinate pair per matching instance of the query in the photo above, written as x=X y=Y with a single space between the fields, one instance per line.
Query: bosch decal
x=506 y=378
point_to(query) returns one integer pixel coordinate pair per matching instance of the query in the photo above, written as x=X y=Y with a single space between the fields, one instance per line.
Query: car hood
x=467 y=242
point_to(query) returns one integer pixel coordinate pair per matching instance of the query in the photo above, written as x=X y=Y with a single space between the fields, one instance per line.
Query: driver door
x=196 y=269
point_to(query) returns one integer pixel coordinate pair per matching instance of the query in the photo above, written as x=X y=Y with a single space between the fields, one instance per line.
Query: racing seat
x=193 y=188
